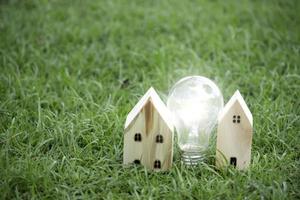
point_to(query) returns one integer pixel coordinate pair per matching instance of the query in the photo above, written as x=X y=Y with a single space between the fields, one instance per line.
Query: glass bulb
x=195 y=103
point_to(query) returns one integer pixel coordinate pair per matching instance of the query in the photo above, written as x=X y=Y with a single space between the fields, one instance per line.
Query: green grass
x=70 y=71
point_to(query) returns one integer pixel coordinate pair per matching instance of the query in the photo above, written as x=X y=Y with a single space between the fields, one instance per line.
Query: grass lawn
x=70 y=71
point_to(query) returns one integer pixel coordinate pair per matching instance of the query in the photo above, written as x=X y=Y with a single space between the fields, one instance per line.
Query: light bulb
x=195 y=103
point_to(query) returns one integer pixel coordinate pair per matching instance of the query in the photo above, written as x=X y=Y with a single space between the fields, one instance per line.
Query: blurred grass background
x=70 y=71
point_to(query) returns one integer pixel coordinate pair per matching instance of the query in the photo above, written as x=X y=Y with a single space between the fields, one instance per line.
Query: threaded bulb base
x=192 y=158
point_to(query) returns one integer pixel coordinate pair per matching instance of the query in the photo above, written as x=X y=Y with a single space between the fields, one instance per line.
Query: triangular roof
x=157 y=103
x=237 y=97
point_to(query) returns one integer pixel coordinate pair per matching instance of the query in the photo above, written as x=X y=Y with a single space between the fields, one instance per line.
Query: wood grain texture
x=149 y=118
x=149 y=124
x=234 y=137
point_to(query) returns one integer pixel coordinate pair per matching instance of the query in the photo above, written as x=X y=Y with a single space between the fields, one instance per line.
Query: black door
x=233 y=161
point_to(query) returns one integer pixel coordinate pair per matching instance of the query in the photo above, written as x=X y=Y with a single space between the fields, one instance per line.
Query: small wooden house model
x=148 y=137
x=234 y=134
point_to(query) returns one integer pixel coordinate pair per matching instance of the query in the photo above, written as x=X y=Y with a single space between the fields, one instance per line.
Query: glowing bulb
x=195 y=103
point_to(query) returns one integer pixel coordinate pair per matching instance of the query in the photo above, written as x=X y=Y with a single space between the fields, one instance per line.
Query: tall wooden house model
x=148 y=137
x=234 y=134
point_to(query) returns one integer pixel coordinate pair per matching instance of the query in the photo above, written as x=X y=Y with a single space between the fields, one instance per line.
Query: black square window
x=236 y=119
x=157 y=164
x=138 y=137
x=159 y=139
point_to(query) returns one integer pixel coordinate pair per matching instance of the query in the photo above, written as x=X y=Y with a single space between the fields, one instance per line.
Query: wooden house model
x=234 y=134
x=148 y=137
